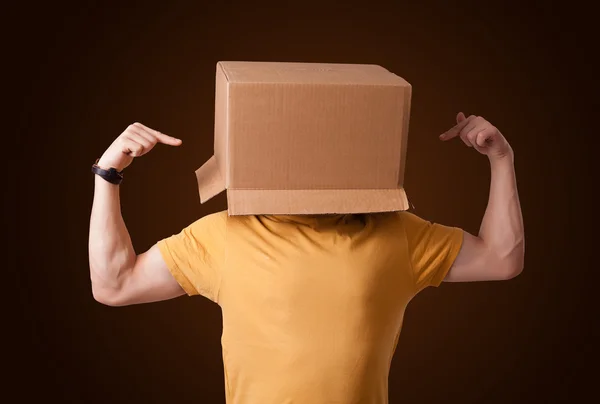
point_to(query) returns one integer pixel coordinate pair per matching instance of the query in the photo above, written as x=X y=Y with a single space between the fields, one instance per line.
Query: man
x=312 y=304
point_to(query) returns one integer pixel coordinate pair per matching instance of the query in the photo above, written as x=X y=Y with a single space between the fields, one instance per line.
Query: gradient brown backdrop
x=82 y=73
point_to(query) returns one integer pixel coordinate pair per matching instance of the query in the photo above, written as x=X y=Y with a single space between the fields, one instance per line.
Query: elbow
x=511 y=272
x=109 y=286
x=107 y=297
x=507 y=258
x=512 y=267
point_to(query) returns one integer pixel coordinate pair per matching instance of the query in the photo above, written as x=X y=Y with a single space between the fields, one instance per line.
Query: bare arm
x=119 y=276
x=497 y=252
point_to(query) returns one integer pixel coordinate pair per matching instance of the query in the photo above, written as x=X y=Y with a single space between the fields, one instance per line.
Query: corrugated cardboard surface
x=317 y=201
x=298 y=138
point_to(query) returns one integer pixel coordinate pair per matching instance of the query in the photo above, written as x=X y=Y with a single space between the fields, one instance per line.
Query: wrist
x=506 y=157
x=107 y=172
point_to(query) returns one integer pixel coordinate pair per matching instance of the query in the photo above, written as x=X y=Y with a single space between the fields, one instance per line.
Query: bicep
x=474 y=262
x=150 y=280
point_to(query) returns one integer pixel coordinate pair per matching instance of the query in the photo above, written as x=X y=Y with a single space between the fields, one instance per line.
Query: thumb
x=460 y=117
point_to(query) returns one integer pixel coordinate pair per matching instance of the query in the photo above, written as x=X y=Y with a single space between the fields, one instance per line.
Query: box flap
x=315 y=201
x=210 y=180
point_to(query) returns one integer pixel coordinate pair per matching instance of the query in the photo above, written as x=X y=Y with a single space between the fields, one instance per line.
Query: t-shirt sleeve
x=195 y=255
x=432 y=249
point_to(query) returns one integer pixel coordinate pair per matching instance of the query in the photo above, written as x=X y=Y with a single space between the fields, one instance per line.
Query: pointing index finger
x=160 y=137
x=455 y=130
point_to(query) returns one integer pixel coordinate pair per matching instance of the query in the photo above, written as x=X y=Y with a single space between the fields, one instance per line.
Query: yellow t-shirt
x=312 y=305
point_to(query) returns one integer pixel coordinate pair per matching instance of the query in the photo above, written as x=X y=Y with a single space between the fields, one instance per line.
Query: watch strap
x=109 y=174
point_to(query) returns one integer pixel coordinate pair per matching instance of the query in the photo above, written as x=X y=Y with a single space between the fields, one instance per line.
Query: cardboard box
x=308 y=138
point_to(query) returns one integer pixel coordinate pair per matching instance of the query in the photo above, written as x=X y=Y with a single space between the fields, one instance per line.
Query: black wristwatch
x=111 y=175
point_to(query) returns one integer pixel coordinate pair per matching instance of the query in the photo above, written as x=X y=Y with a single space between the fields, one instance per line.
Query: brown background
x=82 y=73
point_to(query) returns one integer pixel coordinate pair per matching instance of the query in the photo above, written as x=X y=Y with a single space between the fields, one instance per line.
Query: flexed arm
x=119 y=276
x=497 y=252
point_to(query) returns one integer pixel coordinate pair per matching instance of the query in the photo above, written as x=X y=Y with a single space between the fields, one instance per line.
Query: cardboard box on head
x=308 y=138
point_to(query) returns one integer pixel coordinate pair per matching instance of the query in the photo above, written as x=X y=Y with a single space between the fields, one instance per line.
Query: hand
x=478 y=133
x=135 y=141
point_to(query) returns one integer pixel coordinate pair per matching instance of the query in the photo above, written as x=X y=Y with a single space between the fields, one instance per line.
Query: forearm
x=111 y=253
x=502 y=228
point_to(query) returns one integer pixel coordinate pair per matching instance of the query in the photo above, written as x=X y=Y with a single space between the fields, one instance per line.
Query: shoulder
x=411 y=221
x=401 y=218
x=418 y=228
x=407 y=217
x=213 y=222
